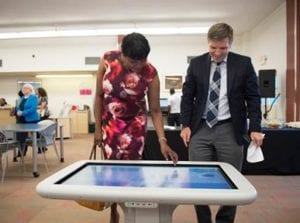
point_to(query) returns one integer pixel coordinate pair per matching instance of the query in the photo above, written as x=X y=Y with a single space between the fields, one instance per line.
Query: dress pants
x=216 y=144
x=174 y=119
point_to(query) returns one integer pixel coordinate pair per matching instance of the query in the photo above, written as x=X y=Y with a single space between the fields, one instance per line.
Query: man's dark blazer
x=242 y=92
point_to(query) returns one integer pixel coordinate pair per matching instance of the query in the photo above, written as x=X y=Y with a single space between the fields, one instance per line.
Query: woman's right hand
x=168 y=153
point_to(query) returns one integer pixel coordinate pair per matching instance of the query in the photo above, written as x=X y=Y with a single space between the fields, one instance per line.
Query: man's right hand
x=185 y=135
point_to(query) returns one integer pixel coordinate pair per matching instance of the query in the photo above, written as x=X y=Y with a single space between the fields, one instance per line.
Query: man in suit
x=219 y=94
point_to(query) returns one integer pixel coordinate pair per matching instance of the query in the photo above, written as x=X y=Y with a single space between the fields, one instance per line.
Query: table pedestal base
x=147 y=212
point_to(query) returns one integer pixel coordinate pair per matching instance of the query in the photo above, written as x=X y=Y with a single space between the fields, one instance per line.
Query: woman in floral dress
x=124 y=79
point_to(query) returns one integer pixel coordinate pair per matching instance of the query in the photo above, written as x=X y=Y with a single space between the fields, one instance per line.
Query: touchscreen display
x=162 y=176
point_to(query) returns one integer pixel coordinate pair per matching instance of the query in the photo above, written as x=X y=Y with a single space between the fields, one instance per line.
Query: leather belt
x=221 y=122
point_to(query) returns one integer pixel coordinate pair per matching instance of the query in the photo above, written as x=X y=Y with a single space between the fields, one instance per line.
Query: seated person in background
x=27 y=112
x=174 y=108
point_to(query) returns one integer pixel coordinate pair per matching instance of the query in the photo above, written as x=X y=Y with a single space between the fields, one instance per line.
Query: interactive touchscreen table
x=149 y=191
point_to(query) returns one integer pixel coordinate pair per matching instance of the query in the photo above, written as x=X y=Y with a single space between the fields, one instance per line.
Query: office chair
x=46 y=138
x=5 y=146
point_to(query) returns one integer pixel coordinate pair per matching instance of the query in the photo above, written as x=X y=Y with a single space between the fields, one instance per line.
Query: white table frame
x=149 y=205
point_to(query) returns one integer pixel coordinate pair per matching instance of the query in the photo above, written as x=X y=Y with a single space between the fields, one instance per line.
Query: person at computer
x=219 y=93
x=124 y=79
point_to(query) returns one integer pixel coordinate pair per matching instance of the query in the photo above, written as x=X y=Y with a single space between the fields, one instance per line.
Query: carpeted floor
x=278 y=196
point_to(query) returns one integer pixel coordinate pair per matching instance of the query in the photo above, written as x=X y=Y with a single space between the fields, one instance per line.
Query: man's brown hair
x=220 y=31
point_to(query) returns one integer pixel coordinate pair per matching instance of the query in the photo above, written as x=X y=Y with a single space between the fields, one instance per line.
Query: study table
x=281 y=148
x=149 y=191
x=32 y=128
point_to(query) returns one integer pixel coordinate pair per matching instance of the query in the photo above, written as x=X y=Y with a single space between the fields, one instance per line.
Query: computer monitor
x=164 y=104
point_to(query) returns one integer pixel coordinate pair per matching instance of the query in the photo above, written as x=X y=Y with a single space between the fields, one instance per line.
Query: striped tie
x=213 y=98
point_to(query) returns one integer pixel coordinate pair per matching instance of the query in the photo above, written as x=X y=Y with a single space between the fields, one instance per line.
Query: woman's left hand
x=168 y=153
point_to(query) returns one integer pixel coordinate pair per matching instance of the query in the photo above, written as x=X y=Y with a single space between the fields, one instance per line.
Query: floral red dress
x=124 y=114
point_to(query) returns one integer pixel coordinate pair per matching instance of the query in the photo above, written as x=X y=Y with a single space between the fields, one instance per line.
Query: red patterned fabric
x=124 y=116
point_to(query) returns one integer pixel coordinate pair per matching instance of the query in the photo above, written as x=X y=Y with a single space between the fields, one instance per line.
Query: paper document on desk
x=254 y=153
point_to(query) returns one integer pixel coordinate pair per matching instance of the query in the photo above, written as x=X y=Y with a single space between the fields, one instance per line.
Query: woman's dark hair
x=42 y=92
x=135 y=46
x=20 y=93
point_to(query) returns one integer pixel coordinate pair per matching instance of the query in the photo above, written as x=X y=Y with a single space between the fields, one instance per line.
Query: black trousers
x=226 y=214
x=174 y=119
x=22 y=136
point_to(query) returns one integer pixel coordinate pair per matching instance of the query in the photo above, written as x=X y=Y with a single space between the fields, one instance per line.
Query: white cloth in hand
x=254 y=153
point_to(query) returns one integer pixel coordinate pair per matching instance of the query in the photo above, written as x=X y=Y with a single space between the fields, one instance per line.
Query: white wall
x=268 y=39
x=66 y=90
x=60 y=91
x=52 y=54
x=168 y=54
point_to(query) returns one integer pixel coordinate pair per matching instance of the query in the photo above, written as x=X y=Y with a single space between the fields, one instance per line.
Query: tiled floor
x=278 y=196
